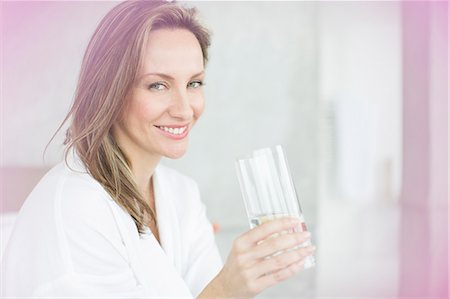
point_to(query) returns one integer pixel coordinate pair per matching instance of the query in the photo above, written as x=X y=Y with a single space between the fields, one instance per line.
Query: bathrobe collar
x=167 y=220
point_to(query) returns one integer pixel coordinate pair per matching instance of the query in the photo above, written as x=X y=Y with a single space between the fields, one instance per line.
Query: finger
x=281 y=261
x=275 y=277
x=251 y=237
x=283 y=242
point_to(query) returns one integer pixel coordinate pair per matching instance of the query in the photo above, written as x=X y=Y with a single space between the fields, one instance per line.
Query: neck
x=143 y=169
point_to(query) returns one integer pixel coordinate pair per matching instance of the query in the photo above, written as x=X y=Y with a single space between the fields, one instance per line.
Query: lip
x=173 y=136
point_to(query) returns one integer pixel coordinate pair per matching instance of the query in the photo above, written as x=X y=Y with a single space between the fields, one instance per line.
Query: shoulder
x=86 y=211
x=64 y=201
x=62 y=184
x=69 y=196
x=82 y=199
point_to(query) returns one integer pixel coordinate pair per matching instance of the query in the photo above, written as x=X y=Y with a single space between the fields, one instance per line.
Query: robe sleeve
x=204 y=258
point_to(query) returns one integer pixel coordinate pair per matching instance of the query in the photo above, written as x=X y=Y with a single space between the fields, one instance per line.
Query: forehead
x=173 y=52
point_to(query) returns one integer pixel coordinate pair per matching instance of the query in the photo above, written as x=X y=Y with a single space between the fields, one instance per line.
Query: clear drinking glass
x=269 y=192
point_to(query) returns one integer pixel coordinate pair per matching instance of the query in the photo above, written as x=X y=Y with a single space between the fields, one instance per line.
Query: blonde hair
x=110 y=66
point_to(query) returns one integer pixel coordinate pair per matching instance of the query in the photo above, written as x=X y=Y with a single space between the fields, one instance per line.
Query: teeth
x=174 y=131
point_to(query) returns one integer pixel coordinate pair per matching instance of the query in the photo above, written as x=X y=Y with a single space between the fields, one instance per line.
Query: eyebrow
x=168 y=77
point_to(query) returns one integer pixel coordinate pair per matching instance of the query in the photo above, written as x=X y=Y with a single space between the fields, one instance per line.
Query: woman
x=109 y=220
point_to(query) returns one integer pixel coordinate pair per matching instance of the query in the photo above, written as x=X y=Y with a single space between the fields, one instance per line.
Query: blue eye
x=157 y=86
x=196 y=84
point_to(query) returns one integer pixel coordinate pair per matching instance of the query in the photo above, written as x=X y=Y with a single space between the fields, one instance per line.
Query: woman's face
x=167 y=98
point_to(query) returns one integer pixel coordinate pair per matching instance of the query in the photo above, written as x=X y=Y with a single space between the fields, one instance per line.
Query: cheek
x=198 y=106
x=148 y=112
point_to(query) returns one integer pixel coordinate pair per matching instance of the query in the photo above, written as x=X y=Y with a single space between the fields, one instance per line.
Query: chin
x=175 y=153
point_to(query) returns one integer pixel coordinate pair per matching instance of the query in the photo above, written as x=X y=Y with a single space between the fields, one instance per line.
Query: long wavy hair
x=110 y=66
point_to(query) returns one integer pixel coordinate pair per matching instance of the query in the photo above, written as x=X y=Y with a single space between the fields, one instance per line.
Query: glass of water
x=269 y=192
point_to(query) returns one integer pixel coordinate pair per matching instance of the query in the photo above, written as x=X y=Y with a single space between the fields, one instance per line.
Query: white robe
x=72 y=240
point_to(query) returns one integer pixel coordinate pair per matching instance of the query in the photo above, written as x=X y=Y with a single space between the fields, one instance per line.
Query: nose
x=181 y=107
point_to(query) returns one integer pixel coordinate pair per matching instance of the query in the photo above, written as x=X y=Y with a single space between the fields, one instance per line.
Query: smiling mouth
x=174 y=132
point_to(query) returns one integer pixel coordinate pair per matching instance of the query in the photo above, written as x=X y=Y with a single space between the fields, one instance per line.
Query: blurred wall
x=261 y=90
x=360 y=96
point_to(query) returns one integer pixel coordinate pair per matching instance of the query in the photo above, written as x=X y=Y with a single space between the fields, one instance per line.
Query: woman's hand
x=249 y=270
